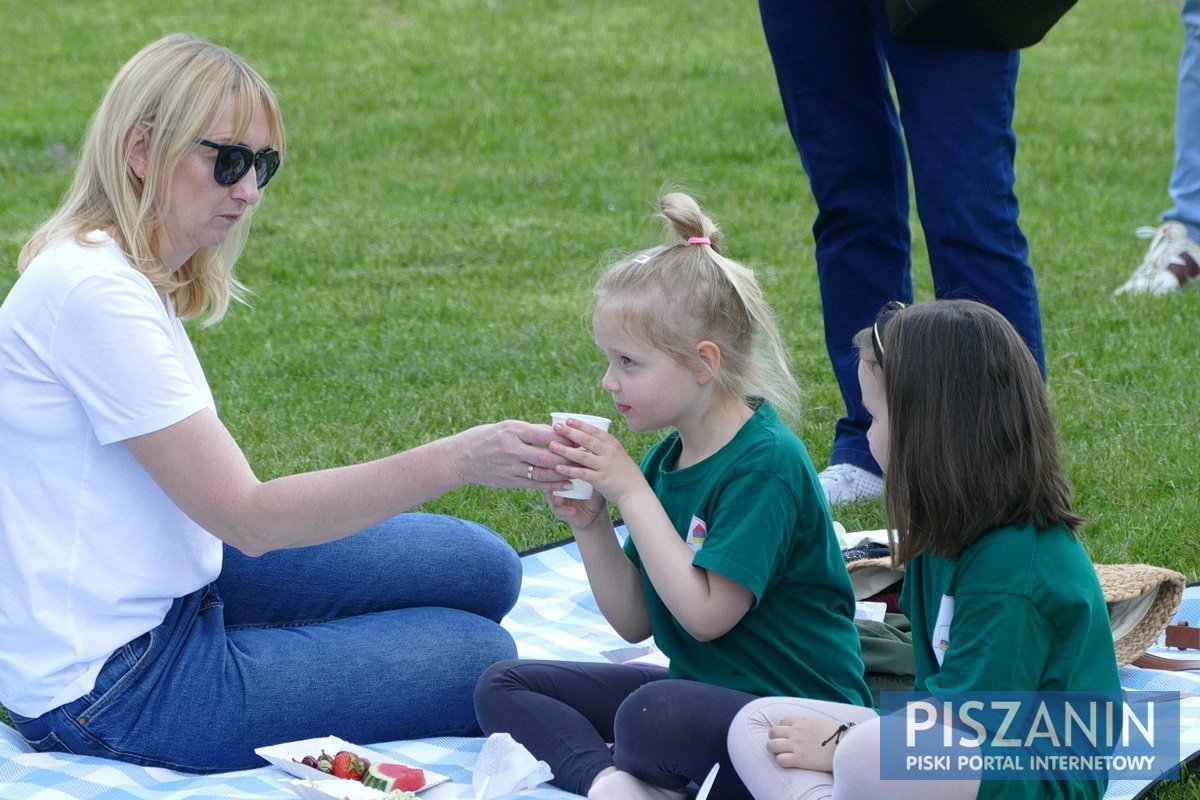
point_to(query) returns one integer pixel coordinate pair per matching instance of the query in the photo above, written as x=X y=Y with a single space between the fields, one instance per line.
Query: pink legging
x=855 y=773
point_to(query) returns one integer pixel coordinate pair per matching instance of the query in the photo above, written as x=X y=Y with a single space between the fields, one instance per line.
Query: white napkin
x=504 y=766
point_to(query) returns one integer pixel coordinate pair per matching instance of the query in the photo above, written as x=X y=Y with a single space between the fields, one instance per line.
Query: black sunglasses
x=235 y=160
x=891 y=309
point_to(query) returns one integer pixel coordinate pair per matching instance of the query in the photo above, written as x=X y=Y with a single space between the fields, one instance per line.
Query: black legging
x=665 y=732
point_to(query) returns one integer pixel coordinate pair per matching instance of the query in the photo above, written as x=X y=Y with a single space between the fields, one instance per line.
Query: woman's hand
x=508 y=454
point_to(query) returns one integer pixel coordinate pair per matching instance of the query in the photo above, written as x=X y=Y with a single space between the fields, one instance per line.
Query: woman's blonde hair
x=173 y=89
x=676 y=295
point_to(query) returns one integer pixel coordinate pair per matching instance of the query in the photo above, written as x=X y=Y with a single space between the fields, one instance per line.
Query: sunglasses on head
x=891 y=309
x=235 y=160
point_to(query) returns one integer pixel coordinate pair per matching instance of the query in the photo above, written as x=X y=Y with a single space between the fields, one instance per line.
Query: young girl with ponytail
x=731 y=562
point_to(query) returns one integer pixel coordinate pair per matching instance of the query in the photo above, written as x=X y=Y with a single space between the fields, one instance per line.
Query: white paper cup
x=580 y=490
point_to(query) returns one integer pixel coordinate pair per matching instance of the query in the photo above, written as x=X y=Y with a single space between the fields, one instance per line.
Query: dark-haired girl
x=1001 y=593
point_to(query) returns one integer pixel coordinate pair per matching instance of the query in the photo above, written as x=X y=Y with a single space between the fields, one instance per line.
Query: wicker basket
x=1142 y=600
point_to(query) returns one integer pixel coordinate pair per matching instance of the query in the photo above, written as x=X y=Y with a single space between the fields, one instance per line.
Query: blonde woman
x=162 y=605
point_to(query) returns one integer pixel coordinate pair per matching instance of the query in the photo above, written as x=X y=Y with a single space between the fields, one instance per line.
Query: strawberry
x=349 y=765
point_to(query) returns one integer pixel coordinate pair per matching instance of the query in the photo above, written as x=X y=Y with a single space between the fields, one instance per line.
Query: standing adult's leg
x=957 y=110
x=834 y=87
x=561 y=711
x=1184 y=186
x=1173 y=258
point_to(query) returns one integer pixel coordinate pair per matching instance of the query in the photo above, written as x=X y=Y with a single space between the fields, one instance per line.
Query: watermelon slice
x=388 y=776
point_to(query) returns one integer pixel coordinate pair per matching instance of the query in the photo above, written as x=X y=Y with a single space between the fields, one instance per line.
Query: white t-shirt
x=92 y=552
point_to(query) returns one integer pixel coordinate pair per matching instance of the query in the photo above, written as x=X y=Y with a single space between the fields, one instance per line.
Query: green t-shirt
x=1022 y=610
x=754 y=512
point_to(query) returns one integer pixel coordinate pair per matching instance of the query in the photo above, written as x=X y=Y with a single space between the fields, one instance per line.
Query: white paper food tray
x=317 y=785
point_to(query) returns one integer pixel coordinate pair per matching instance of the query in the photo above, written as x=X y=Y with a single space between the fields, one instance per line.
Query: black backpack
x=985 y=24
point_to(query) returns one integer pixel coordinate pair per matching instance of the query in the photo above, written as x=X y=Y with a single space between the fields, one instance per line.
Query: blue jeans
x=665 y=731
x=377 y=637
x=1184 y=186
x=832 y=59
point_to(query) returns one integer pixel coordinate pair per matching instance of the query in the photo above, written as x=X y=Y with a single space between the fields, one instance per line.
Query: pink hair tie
x=699 y=240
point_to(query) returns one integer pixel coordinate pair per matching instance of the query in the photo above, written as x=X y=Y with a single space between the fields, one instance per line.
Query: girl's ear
x=137 y=150
x=709 y=355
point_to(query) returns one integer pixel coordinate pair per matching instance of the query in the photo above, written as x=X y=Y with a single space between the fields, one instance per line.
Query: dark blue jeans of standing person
x=664 y=731
x=832 y=60
x=377 y=637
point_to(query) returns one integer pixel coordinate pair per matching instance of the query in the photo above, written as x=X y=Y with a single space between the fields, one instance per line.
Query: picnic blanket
x=555 y=617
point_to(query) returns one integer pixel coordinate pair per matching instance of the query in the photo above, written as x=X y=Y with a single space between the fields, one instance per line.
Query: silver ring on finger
x=529 y=472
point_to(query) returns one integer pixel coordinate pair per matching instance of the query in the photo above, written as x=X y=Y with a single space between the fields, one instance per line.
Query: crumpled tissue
x=504 y=766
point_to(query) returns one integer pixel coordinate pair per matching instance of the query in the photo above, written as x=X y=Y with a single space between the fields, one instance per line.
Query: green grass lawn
x=459 y=170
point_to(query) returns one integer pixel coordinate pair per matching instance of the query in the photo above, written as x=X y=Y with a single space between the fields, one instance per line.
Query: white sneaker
x=1172 y=260
x=846 y=483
